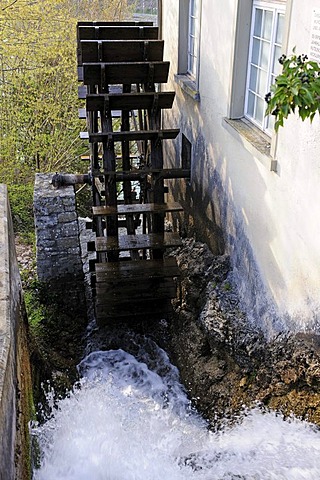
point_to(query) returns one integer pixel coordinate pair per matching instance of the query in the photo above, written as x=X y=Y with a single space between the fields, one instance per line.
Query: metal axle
x=63 y=179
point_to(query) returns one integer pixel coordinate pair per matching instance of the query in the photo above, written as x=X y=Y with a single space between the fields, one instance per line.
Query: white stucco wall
x=270 y=219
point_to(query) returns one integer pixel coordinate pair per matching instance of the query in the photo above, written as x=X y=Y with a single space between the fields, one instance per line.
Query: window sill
x=253 y=139
x=188 y=86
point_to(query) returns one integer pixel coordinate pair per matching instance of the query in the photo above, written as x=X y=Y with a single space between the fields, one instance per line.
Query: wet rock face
x=226 y=363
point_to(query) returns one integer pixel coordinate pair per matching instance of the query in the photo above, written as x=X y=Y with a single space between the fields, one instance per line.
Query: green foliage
x=35 y=310
x=296 y=88
x=39 y=124
x=21 y=203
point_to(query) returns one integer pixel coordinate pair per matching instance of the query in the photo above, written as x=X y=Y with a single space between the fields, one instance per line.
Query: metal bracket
x=99 y=51
x=151 y=74
x=145 y=51
x=103 y=78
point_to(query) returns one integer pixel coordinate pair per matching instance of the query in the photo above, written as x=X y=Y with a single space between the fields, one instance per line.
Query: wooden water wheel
x=121 y=66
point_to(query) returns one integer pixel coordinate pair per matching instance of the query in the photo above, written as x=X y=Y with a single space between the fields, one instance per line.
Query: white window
x=263 y=66
x=193 y=37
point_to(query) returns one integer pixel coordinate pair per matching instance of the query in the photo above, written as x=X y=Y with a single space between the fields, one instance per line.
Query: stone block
x=67 y=217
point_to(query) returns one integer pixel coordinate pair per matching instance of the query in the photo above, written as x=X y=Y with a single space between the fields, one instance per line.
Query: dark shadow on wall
x=199 y=217
x=210 y=216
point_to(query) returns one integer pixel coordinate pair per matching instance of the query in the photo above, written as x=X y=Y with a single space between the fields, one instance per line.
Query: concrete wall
x=269 y=219
x=13 y=379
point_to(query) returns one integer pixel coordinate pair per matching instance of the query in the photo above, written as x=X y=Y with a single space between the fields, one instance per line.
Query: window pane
x=194 y=8
x=262 y=83
x=191 y=45
x=255 y=51
x=259 y=110
x=192 y=65
x=265 y=51
x=192 y=27
x=276 y=67
x=280 y=27
x=270 y=121
x=258 y=22
x=250 y=107
x=253 y=78
x=267 y=24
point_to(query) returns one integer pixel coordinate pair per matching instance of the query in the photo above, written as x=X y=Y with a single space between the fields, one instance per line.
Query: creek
x=129 y=418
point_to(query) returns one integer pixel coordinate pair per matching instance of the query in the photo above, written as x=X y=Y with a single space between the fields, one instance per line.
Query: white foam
x=126 y=422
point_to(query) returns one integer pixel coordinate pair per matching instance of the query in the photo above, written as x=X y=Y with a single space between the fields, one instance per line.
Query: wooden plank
x=83 y=113
x=134 y=135
x=125 y=73
x=83 y=91
x=137 y=242
x=132 y=270
x=138 y=208
x=147 y=289
x=112 y=24
x=133 y=310
x=117 y=33
x=130 y=101
x=121 y=51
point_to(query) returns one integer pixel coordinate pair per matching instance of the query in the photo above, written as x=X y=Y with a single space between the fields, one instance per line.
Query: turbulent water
x=129 y=419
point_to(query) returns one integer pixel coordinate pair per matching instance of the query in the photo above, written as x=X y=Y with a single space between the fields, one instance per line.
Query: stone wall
x=56 y=222
x=61 y=280
x=15 y=382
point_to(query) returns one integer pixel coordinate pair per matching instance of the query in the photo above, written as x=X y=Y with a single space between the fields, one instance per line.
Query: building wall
x=268 y=219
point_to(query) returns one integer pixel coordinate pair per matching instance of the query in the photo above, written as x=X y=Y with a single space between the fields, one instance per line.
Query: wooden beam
x=149 y=289
x=133 y=310
x=125 y=73
x=113 y=23
x=120 y=51
x=137 y=208
x=131 y=270
x=130 y=101
x=133 y=135
x=117 y=32
x=137 y=242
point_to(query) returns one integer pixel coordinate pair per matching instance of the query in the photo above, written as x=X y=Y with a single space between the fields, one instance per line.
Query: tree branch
x=10 y=5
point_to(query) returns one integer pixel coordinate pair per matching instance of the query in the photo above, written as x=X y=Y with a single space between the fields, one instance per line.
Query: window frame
x=277 y=9
x=194 y=31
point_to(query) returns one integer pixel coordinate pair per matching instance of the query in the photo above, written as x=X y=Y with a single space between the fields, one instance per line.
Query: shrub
x=297 y=88
x=21 y=203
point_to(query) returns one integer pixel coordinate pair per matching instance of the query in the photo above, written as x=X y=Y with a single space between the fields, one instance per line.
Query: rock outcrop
x=225 y=362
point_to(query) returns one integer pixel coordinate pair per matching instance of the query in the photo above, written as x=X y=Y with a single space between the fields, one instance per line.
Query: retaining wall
x=14 y=361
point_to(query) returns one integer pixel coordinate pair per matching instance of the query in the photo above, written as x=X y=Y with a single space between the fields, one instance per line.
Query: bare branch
x=10 y=5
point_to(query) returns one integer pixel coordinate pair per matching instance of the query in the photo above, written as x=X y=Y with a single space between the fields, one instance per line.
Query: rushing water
x=129 y=419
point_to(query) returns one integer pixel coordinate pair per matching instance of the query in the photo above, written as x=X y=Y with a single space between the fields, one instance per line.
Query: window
x=193 y=37
x=189 y=47
x=263 y=66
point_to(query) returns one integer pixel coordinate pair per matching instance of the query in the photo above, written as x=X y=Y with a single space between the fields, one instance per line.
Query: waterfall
x=129 y=418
